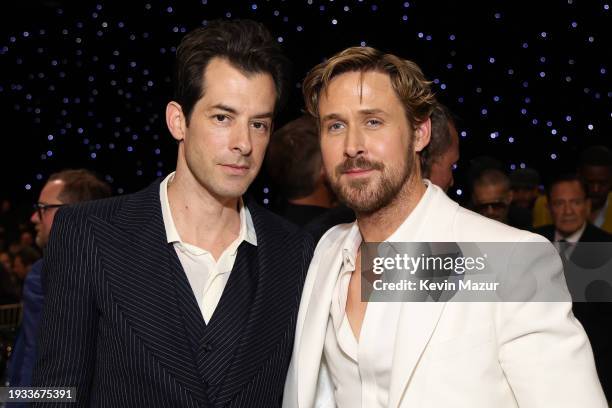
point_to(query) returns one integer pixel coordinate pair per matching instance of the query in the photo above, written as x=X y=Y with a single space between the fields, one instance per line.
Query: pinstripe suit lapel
x=149 y=289
x=271 y=319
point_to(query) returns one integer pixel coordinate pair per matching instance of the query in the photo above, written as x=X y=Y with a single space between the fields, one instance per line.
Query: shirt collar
x=572 y=238
x=247 y=229
x=408 y=231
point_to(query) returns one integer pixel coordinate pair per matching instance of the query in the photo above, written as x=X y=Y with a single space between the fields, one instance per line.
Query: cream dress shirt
x=361 y=370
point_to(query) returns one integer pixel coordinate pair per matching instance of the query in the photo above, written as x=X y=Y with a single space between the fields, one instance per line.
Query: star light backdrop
x=86 y=84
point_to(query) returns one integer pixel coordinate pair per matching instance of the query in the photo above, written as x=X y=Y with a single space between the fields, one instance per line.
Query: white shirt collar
x=573 y=238
x=409 y=229
x=247 y=229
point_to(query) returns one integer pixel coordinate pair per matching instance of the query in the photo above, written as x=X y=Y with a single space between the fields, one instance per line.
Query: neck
x=378 y=226
x=201 y=218
x=321 y=197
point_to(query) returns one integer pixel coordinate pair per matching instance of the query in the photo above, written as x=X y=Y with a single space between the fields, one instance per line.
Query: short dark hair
x=524 y=178
x=568 y=178
x=80 y=185
x=294 y=157
x=492 y=176
x=245 y=44
x=596 y=156
x=440 y=141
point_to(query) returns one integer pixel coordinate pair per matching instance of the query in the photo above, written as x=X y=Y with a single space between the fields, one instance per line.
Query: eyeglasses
x=40 y=208
x=496 y=206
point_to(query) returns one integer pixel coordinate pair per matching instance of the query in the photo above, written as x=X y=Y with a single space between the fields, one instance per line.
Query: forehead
x=567 y=189
x=370 y=90
x=223 y=81
x=51 y=191
x=597 y=172
x=489 y=191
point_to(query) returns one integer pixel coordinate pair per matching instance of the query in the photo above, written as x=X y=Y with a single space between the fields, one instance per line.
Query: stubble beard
x=370 y=195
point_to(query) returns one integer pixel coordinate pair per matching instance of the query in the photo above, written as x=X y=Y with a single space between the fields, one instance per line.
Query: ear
x=175 y=120
x=422 y=135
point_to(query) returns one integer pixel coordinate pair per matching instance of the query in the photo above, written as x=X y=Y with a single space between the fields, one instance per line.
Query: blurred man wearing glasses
x=491 y=195
x=63 y=188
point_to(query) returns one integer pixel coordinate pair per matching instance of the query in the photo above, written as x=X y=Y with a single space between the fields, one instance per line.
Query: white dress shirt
x=206 y=276
x=361 y=370
x=572 y=238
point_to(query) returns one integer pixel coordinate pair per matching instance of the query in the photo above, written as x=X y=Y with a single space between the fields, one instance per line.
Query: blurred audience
x=570 y=208
x=62 y=188
x=596 y=169
x=442 y=152
x=491 y=195
x=525 y=186
x=295 y=165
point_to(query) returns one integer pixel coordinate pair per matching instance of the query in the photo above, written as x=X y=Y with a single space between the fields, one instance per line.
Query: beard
x=367 y=196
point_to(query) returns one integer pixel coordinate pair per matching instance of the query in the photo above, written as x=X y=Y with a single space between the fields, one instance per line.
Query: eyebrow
x=363 y=112
x=331 y=116
x=229 y=109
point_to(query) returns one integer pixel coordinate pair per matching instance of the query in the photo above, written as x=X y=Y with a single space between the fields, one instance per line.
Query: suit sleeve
x=544 y=351
x=67 y=345
x=33 y=299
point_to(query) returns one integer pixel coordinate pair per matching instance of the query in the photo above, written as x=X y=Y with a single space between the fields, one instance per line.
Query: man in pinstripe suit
x=184 y=294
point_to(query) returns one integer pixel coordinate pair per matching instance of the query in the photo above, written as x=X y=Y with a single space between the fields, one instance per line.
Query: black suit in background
x=121 y=322
x=596 y=317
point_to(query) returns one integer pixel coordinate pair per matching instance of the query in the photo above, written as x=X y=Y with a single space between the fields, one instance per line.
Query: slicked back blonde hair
x=406 y=77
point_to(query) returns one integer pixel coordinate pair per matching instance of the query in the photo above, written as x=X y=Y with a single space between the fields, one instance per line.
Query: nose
x=35 y=219
x=354 y=143
x=241 y=141
x=567 y=209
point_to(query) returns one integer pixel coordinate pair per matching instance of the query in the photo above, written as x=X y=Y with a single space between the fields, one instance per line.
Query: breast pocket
x=466 y=345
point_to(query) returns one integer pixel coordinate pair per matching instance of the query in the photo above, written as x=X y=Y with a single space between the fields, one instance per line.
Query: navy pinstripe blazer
x=121 y=323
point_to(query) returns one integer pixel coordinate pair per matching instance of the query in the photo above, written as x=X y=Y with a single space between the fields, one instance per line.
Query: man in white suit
x=373 y=110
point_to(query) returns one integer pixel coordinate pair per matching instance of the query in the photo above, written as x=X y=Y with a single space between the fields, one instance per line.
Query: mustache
x=360 y=163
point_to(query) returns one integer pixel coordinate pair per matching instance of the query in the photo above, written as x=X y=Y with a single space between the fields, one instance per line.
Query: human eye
x=221 y=118
x=373 y=122
x=261 y=126
x=335 y=126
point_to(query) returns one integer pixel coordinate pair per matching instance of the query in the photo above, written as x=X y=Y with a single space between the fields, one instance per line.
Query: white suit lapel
x=417 y=323
x=312 y=338
x=418 y=320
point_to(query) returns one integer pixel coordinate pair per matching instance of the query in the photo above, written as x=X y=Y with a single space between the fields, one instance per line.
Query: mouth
x=357 y=172
x=236 y=169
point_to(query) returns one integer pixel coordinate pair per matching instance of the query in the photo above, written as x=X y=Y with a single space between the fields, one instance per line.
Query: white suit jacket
x=456 y=354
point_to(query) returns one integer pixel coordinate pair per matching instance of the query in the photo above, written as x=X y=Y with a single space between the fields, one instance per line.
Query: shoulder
x=595 y=234
x=332 y=240
x=106 y=209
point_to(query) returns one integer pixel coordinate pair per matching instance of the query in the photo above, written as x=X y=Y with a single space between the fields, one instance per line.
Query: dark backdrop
x=85 y=84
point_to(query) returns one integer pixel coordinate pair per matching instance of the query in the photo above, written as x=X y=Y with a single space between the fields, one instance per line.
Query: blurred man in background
x=570 y=208
x=294 y=164
x=442 y=153
x=491 y=195
x=63 y=188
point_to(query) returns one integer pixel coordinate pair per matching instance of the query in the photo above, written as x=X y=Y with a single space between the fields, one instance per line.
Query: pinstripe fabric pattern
x=121 y=322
